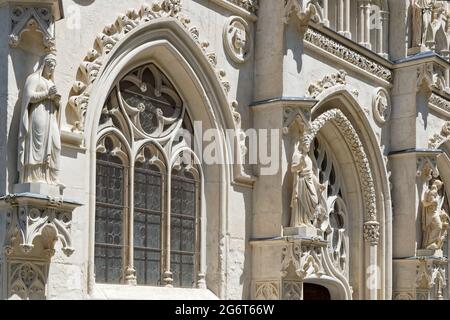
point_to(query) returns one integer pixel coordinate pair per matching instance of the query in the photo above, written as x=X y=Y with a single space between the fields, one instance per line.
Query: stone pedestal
x=307 y=232
x=281 y=267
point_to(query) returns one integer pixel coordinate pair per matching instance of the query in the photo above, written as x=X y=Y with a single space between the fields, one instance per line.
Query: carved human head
x=437 y=184
x=49 y=63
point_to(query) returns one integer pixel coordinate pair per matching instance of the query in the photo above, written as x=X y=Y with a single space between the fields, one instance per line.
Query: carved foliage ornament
x=327 y=82
x=38 y=19
x=107 y=40
x=438 y=139
x=341 y=51
x=440 y=102
x=237 y=39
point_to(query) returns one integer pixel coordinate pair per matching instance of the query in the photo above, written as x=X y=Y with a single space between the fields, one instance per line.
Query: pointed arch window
x=148 y=186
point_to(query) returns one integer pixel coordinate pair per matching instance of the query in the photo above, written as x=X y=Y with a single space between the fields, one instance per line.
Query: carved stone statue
x=307 y=200
x=39 y=134
x=435 y=221
x=421 y=16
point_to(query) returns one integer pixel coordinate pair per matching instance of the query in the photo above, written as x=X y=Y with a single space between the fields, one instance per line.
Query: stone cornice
x=244 y=8
x=56 y=5
x=350 y=56
x=440 y=102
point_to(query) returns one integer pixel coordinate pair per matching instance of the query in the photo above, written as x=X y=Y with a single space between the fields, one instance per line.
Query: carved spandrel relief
x=238 y=40
x=382 y=106
x=27 y=281
x=435 y=221
x=39 y=135
x=267 y=291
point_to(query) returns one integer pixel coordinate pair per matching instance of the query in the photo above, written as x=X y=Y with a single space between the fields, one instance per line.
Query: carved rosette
x=30 y=217
x=372 y=232
x=90 y=68
x=39 y=19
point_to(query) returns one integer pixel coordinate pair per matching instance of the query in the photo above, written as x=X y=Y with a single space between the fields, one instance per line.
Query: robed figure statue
x=307 y=195
x=435 y=220
x=39 y=134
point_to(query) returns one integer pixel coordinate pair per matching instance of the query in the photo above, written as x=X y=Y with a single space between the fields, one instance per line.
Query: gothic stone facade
x=101 y=199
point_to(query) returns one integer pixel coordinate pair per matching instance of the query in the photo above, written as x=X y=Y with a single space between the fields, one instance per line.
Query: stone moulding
x=359 y=155
x=247 y=9
x=347 y=54
x=442 y=104
x=90 y=68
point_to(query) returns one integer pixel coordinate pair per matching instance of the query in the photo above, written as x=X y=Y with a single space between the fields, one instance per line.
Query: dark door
x=315 y=292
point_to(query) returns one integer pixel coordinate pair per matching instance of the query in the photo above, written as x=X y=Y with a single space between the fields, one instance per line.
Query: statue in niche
x=435 y=221
x=39 y=134
x=307 y=204
x=421 y=17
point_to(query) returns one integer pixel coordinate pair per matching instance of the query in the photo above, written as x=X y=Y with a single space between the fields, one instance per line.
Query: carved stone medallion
x=237 y=39
x=382 y=106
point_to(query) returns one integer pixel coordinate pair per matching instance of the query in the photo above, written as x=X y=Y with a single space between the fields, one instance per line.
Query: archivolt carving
x=341 y=51
x=438 y=139
x=110 y=36
x=440 y=102
x=358 y=152
x=25 y=18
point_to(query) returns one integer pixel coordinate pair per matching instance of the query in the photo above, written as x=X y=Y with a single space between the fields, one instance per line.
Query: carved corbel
x=303 y=11
x=30 y=217
x=40 y=18
x=427 y=168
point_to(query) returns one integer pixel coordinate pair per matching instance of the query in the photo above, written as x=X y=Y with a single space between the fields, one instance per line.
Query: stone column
x=413 y=166
x=326 y=22
x=364 y=23
x=383 y=39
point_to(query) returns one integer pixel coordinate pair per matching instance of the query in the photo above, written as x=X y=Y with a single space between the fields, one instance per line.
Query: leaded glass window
x=183 y=221
x=147 y=215
x=110 y=209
